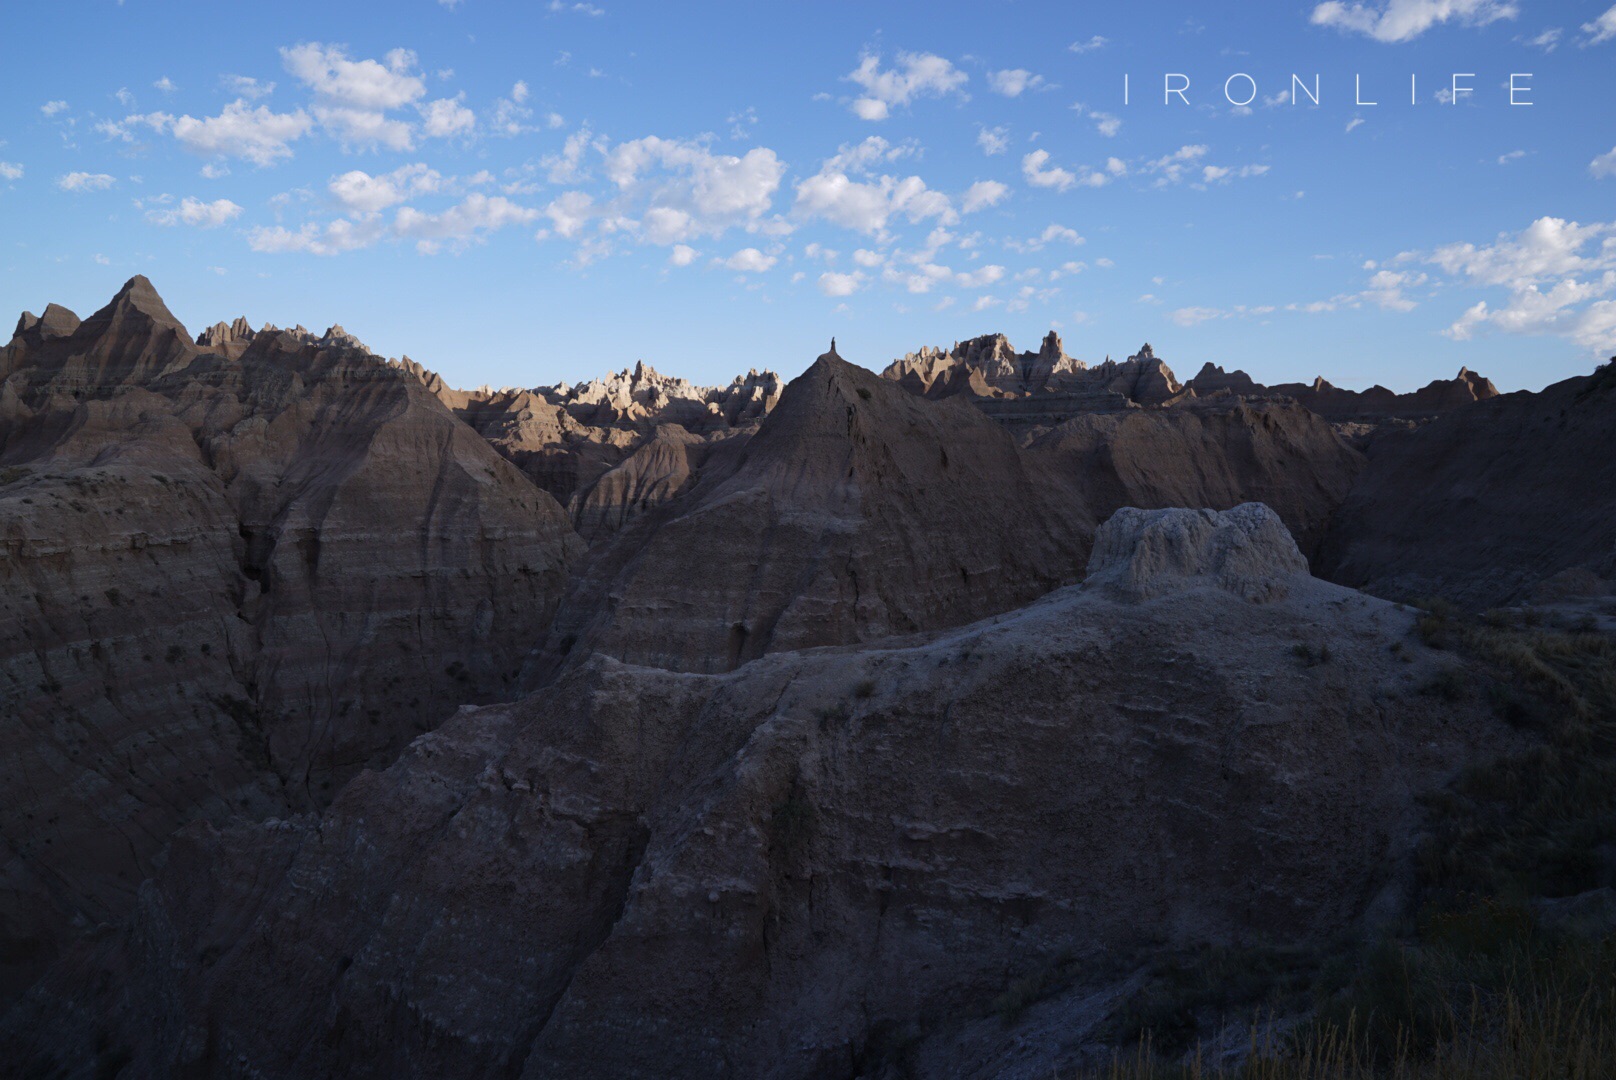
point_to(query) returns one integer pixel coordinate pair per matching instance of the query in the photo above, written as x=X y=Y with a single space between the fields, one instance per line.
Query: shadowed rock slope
x=640 y=873
x=855 y=512
x=1482 y=505
x=226 y=585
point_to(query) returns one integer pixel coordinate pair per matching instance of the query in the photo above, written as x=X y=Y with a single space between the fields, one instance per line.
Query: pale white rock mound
x=1143 y=554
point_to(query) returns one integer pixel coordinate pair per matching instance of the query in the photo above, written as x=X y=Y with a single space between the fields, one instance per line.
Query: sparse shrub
x=1310 y=656
x=1448 y=684
x=865 y=689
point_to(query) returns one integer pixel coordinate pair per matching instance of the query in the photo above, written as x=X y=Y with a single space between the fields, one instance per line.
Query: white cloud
x=1560 y=276
x=361 y=193
x=983 y=194
x=578 y=9
x=993 y=140
x=1549 y=247
x=10 y=170
x=352 y=97
x=1223 y=174
x=976 y=279
x=83 y=181
x=166 y=85
x=1035 y=167
x=1513 y=155
x=868 y=205
x=1353 y=123
x=1013 y=82
x=868 y=259
x=750 y=261
x=568 y=166
x=195 y=212
x=1105 y=123
x=1404 y=20
x=336 y=237
x=1549 y=39
x=51 y=108
x=682 y=255
x=447 y=117
x=1604 y=165
x=215 y=171
x=1171 y=168
x=570 y=211
x=834 y=284
x=244 y=86
x=916 y=75
x=255 y=134
x=1190 y=316
x=1601 y=29
x=464 y=223
x=691 y=191
x=1093 y=43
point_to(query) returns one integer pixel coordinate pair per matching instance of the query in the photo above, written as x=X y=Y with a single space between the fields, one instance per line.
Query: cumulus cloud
x=447 y=117
x=915 y=75
x=333 y=239
x=834 y=284
x=83 y=181
x=1560 y=276
x=1403 y=20
x=468 y=221
x=196 y=213
x=691 y=191
x=993 y=140
x=52 y=108
x=750 y=261
x=10 y=170
x=1013 y=82
x=867 y=205
x=570 y=212
x=1093 y=43
x=1105 y=123
x=464 y=223
x=983 y=194
x=1039 y=173
x=254 y=134
x=1604 y=165
x=1601 y=29
x=682 y=255
x=361 y=193
x=353 y=97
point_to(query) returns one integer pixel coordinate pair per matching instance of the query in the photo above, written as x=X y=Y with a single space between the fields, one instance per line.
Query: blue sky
x=517 y=193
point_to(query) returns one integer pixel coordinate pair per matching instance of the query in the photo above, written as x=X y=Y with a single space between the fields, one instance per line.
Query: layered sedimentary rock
x=811 y=863
x=1482 y=505
x=566 y=438
x=1031 y=391
x=1214 y=453
x=226 y=585
x=988 y=367
x=226 y=339
x=856 y=511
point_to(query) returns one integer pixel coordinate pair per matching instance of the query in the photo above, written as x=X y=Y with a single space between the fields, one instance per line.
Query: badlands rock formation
x=227 y=586
x=988 y=367
x=1025 y=389
x=566 y=438
x=1482 y=505
x=1214 y=453
x=1334 y=403
x=804 y=866
x=855 y=512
